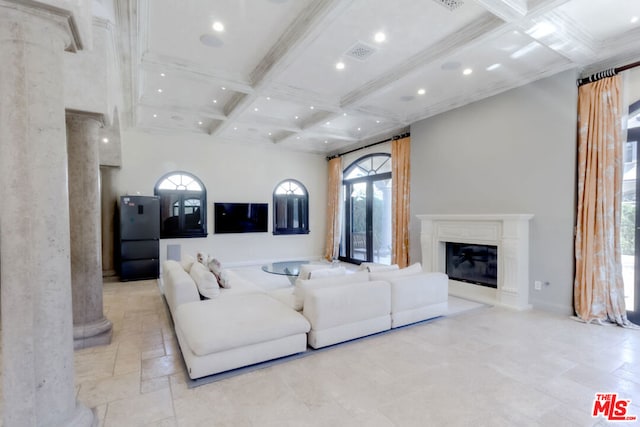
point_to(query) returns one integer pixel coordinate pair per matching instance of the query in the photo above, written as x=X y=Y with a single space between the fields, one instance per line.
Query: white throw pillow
x=299 y=291
x=205 y=281
x=327 y=272
x=390 y=275
x=215 y=266
x=187 y=261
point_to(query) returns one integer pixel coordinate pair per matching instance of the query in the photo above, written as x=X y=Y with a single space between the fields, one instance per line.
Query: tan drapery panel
x=598 y=285
x=332 y=245
x=400 y=169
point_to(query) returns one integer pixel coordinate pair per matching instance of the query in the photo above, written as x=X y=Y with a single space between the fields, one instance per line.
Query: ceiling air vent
x=360 y=51
x=450 y=4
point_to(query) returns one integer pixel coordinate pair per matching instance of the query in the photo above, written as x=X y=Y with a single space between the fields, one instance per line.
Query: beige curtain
x=332 y=245
x=598 y=285
x=400 y=169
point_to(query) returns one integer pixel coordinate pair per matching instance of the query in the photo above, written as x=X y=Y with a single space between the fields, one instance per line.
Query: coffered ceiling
x=310 y=74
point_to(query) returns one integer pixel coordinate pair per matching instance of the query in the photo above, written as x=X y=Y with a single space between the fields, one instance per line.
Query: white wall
x=511 y=153
x=230 y=173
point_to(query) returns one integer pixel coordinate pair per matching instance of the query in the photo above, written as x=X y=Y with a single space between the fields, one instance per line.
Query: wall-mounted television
x=240 y=217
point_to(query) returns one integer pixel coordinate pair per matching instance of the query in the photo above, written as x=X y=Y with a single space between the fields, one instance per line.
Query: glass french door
x=630 y=224
x=367 y=221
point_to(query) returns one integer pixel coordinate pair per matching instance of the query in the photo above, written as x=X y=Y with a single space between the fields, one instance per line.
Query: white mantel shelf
x=509 y=232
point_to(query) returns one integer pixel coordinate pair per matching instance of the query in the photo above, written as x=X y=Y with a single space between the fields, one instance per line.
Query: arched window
x=366 y=234
x=183 y=205
x=290 y=208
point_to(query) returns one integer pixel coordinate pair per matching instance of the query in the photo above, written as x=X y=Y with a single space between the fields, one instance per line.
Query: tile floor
x=487 y=367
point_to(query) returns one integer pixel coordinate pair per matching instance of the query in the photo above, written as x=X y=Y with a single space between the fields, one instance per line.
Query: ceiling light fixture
x=634 y=19
x=162 y=74
x=223 y=88
x=344 y=114
x=105 y=140
x=359 y=129
x=268 y=98
x=215 y=101
x=377 y=121
x=296 y=117
x=159 y=90
x=269 y=133
x=200 y=122
x=340 y=66
x=328 y=123
x=493 y=67
x=421 y=91
x=256 y=109
x=235 y=128
x=467 y=71
x=155 y=115
x=541 y=29
x=379 y=37
x=218 y=26
x=311 y=107
x=326 y=142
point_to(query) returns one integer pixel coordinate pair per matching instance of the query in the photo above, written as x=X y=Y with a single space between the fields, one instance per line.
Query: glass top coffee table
x=285 y=268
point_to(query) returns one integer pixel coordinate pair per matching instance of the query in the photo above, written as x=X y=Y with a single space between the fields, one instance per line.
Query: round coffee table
x=285 y=268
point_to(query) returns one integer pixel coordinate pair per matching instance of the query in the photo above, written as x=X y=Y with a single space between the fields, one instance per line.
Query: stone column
x=109 y=198
x=90 y=327
x=37 y=331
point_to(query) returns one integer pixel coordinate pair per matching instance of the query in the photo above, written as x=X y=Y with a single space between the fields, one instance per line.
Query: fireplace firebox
x=472 y=263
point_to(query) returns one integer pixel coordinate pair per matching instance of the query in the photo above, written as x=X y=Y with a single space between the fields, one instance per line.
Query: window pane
x=170 y=213
x=359 y=221
x=381 y=217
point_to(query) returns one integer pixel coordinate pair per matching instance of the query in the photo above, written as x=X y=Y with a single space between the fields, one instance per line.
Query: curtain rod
x=402 y=135
x=606 y=73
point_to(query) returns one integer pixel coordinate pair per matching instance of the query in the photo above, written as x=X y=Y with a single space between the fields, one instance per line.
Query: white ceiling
x=270 y=76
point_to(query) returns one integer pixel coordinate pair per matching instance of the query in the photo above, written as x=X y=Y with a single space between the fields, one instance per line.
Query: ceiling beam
x=307 y=26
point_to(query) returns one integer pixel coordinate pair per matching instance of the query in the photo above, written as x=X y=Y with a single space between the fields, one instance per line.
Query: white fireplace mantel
x=509 y=232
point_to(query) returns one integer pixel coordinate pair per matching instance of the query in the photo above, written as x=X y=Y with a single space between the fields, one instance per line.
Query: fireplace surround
x=508 y=232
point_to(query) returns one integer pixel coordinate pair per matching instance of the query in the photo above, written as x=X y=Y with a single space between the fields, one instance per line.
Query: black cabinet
x=138 y=249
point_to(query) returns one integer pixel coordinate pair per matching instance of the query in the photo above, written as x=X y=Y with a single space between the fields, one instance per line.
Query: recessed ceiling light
x=159 y=90
x=269 y=133
x=421 y=91
x=297 y=137
x=223 y=88
x=105 y=140
x=328 y=123
x=493 y=67
x=268 y=98
x=155 y=115
x=340 y=66
x=326 y=142
x=311 y=107
x=296 y=117
x=235 y=128
x=541 y=29
x=634 y=19
x=200 y=122
x=380 y=37
x=467 y=71
x=162 y=74
x=359 y=129
x=377 y=121
x=344 y=114
x=215 y=101
x=218 y=26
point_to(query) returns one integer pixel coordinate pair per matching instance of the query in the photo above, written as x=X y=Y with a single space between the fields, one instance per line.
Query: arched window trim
x=286 y=195
x=183 y=195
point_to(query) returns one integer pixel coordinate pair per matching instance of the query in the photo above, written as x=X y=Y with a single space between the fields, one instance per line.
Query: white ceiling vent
x=450 y=4
x=360 y=51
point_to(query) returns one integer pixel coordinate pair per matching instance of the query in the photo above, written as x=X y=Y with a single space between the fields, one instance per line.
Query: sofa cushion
x=205 y=280
x=215 y=266
x=306 y=269
x=285 y=296
x=239 y=320
x=325 y=282
x=390 y=275
x=327 y=272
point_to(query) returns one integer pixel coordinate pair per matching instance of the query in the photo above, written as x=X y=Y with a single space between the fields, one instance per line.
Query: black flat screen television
x=241 y=217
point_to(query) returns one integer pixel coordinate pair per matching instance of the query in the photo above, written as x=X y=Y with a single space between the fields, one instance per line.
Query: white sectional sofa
x=259 y=316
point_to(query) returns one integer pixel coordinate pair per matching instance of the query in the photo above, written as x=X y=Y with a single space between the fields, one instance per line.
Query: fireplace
x=492 y=249
x=471 y=263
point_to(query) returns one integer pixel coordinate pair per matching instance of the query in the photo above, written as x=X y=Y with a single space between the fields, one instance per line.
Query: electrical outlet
x=537 y=285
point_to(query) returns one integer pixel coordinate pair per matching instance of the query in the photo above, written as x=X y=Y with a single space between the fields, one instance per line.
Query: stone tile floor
x=486 y=367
